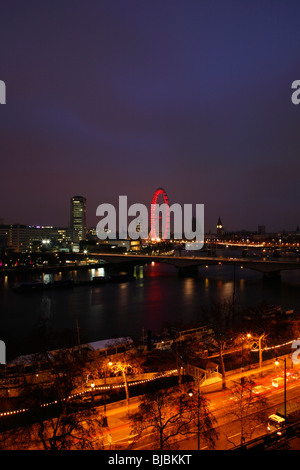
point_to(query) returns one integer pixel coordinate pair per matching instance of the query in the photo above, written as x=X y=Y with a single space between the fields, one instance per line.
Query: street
x=117 y=434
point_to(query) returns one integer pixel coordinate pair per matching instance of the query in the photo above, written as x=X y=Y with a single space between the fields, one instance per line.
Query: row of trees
x=59 y=426
x=170 y=415
x=185 y=412
x=235 y=331
x=167 y=414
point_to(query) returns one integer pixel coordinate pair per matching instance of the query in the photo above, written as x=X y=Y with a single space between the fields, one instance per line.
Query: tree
x=128 y=363
x=243 y=343
x=221 y=318
x=204 y=426
x=168 y=414
x=59 y=425
x=80 y=430
x=248 y=408
x=257 y=342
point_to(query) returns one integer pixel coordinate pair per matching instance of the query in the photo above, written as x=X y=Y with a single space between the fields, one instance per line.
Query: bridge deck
x=262 y=265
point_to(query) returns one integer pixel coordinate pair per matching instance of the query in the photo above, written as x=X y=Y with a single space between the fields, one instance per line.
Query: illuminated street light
x=277 y=364
x=92 y=386
x=198 y=414
x=248 y=336
x=105 y=371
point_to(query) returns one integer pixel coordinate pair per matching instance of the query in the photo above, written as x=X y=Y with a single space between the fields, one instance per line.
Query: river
x=158 y=298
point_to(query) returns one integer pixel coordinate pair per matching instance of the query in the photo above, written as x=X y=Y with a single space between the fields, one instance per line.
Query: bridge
x=190 y=264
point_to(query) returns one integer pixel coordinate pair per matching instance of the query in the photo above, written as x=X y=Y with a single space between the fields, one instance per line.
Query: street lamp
x=105 y=370
x=92 y=385
x=277 y=363
x=244 y=338
x=198 y=415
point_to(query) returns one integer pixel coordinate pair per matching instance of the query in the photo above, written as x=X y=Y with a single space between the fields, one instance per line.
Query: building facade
x=27 y=239
x=78 y=218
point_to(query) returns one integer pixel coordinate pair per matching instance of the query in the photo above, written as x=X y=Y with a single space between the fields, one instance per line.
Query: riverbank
x=55 y=268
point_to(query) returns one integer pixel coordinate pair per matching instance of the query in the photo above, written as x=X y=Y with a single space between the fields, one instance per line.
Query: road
x=117 y=434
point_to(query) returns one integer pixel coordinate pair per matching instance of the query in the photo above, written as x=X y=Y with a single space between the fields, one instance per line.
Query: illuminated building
x=78 y=218
x=219 y=229
x=26 y=239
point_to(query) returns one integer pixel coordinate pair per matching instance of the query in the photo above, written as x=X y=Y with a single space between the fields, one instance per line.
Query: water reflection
x=45 y=308
x=122 y=295
x=47 y=278
x=99 y=272
x=228 y=290
x=156 y=298
x=188 y=287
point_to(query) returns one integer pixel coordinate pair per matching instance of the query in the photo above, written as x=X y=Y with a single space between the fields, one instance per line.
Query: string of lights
x=273 y=347
x=89 y=390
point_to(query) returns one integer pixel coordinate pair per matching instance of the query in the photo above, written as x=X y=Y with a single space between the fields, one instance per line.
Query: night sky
x=120 y=97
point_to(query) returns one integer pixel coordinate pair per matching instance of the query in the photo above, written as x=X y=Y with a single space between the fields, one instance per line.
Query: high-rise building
x=78 y=217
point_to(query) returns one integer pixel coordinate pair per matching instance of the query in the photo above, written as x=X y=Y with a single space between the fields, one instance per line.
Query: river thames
x=156 y=299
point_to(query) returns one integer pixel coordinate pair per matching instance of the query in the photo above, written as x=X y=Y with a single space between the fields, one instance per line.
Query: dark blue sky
x=119 y=97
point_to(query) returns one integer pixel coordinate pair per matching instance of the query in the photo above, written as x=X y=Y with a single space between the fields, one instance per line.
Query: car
x=278 y=382
x=259 y=389
x=294 y=375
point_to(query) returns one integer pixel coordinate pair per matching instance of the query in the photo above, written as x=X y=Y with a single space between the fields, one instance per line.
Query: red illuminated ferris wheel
x=155 y=217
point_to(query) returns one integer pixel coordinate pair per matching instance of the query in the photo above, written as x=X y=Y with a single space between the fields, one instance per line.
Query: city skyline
x=118 y=99
x=260 y=228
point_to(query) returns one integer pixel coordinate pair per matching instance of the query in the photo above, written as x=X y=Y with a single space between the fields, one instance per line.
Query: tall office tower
x=78 y=217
